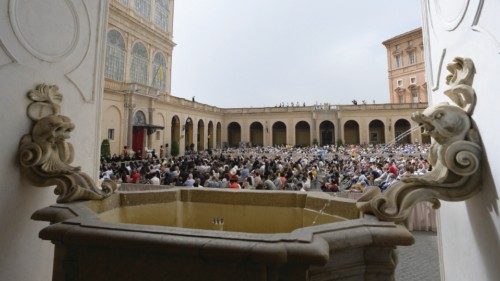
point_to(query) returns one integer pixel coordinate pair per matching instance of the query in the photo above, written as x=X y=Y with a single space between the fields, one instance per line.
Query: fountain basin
x=267 y=235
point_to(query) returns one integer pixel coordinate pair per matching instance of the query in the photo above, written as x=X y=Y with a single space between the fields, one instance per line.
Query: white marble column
x=468 y=232
x=54 y=42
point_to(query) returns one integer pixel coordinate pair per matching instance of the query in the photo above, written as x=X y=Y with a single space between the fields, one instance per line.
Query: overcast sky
x=254 y=53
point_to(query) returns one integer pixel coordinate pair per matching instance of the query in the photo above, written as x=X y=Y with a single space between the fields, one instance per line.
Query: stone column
x=390 y=131
x=363 y=131
x=150 y=137
x=314 y=129
x=290 y=133
x=267 y=133
x=52 y=42
x=130 y=123
x=340 y=130
x=195 y=134
x=245 y=131
x=128 y=57
x=205 y=137
x=183 y=136
x=336 y=126
x=168 y=83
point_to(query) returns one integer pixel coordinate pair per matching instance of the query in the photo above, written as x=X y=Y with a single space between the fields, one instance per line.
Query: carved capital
x=455 y=154
x=45 y=156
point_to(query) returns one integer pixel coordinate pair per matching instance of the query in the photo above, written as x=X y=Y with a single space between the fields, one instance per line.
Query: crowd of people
x=328 y=168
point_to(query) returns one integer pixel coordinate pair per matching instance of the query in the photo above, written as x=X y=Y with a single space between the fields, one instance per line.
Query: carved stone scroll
x=45 y=156
x=455 y=154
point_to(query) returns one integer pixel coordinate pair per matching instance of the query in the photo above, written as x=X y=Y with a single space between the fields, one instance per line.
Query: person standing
x=162 y=152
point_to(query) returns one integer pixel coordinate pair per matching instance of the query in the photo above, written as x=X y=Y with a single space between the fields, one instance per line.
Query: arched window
x=139 y=66
x=115 y=56
x=161 y=14
x=159 y=71
x=139 y=118
x=143 y=7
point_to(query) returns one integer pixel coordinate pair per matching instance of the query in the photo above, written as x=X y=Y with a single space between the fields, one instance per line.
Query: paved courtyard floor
x=419 y=262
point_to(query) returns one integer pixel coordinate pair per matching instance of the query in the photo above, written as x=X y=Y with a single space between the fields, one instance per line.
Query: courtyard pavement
x=419 y=262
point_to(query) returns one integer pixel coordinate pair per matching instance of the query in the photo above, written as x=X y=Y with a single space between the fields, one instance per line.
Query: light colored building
x=139 y=112
x=187 y=122
x=328 y=124
x=406 y=69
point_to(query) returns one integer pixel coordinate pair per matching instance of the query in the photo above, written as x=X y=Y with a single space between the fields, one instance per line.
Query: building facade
x=406 y=68
x=139 y=111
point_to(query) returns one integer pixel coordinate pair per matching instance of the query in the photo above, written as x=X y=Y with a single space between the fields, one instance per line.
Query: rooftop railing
x=144 y=90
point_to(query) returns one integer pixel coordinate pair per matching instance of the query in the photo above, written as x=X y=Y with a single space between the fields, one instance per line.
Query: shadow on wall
x=483 y=210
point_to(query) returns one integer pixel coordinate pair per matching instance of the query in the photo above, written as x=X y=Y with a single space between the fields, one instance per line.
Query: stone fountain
x=267 y=235
x=210 y=234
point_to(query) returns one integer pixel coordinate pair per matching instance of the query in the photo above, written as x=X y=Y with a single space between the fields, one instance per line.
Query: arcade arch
x=279 y=133
x=376 y=132
x=111 y=128
x=210 y=135
x=351 y=132
x=175 y=131
x=188 y=132
x=233 y=134
x=402 y=129
x=302 y=134
x=326 y=133
x=200 y=139
x=138 y=132
x=256 y=134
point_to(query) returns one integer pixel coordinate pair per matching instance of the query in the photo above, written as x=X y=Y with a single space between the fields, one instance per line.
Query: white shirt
x=155 y=180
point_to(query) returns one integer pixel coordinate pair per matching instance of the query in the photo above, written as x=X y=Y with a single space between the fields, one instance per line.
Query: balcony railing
x=188 y=103
x=421 y=105
x=144 y=90
x=135 y=88
x=325 y=107
x=281 y=109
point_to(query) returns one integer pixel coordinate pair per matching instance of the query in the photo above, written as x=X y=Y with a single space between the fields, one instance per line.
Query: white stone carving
x=435 y=80
x=450 y=13
x=5 y=56
x=455 y=154
x=45 y=156
x=68 y=49
x=79 y=73
x=55 y=46
x=492 y=31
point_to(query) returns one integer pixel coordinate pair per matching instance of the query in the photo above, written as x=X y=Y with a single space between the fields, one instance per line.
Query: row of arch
x=207 y=134
x=139 y=64
x=326 y=135
x=213 y=140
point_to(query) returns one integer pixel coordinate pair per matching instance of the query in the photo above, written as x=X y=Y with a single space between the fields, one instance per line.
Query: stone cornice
x=419 y=67
x=412 y=33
